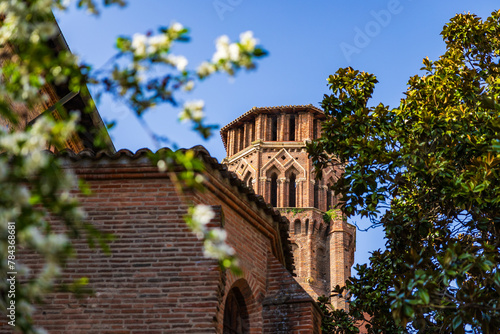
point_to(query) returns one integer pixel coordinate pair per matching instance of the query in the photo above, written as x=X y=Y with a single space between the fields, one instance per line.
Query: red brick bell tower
x=266 y=148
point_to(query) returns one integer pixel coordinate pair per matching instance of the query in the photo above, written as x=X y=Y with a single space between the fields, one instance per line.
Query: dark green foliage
x=428 y=172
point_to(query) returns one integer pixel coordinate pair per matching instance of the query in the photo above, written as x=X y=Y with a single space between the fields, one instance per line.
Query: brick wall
x=156 y=279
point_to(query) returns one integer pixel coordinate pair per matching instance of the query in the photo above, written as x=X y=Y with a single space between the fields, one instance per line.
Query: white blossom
x=203 y=214
x=176 y=27
x=180 y=62
x=33 y=235
x=215 y=245
x=193 y=110
x=157 y=42
x=162 y=165
x=234 y=52
x=205 y=69
x=222 y=42
x=247 y=41
x=188 y=86
x=221 y=49
x=56 y=242
x=139 y=44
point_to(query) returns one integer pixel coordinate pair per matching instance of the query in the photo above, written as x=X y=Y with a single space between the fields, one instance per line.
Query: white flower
x=21 y=195
x=184 y=115
x=176 y=27
x=220 y=54
x=197 y=115
x=215 y=246
x=33 y=234
x=139 y=43
x=221 y=49
x=205 y=69
x=222 y=41
x=203 y=214
x=218 y=235
x=188 y=86
x=248 y=41
x=56 y=241
x=162 y=165
x=157 y=42
x=180 y=62
x=200 y=178
x=193 y=110
x=234 y=52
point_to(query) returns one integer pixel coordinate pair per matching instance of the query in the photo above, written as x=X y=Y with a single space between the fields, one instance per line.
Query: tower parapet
x=266 y=148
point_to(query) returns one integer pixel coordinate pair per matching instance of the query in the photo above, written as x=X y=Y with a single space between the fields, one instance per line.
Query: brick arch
x=273 y=169
x=249 y=175
x=267 y=170
x=242 y=290
x=295 y=165
x=297 y=227
x=291 y=169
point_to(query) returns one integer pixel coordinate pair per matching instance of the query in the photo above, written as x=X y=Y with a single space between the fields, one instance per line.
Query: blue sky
x=307 y=41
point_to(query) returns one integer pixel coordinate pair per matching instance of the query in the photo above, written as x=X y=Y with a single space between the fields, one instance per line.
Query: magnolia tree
x=428 y=172
x=32 y=183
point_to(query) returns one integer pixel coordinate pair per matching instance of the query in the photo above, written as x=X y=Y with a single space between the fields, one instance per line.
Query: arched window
x=307 y=226
x=316 y=195
x=328 y=199
x=274 y=190
x=250 y=182
x=292 y=191
x=274 y=128
x=291 y=128
x=297 y=226
x=235 y=313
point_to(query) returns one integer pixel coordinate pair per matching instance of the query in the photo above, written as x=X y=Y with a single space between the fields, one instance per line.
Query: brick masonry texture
x=266 y=149
x=156 y=279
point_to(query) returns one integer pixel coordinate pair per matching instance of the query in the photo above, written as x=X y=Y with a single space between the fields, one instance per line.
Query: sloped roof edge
x=204 y=155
